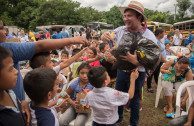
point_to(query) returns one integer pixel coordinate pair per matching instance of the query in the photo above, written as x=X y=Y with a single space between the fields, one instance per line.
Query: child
x=64 y=57
x=103 y=100
x=40 y=86
x=168 y=50
x=10 y=107
x=76 y=86
x=92 y=53
x=43 y=60
x=79 y=61
x=107 y=61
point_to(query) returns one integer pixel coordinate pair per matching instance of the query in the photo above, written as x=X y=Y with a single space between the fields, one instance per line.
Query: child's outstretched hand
x=135 y=74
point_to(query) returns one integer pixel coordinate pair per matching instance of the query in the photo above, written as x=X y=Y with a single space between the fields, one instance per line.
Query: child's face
x=106 y=48
x=167 y=46
x=8 y=75
x=90 y=54
x=64 y=56
x=83 y=75
x=49 y=63
x=90 y=40
x=93 y=44
x=55 y=64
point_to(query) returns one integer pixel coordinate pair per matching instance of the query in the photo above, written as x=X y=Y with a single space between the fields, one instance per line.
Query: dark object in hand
x=148 y=53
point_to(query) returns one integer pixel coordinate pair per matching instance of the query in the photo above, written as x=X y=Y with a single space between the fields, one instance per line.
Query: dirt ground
x=149 y=116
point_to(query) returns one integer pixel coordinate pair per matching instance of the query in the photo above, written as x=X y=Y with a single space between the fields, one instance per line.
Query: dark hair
x=183 y=60
x=58 y=30
x=39 y=59
x=167 y=43
x=5 y=53
x=54 y=61
x=65 y=52
x=75 y=51
x=96 y=37
x=97 y=76
x=102 y=46
x=158 y=31
x=54 y=52
x=168 y=36
x=83 y=65
x=38 y=82
x=93 y=50
x=137 y=13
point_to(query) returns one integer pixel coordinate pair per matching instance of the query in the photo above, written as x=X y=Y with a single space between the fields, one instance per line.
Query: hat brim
x=122 y=10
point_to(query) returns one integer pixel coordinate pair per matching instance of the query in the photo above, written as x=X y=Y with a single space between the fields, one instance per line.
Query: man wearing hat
x=133 y=17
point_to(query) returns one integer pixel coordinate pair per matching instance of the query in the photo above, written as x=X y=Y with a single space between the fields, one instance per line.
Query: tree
x=114 y=16
x=183 y=6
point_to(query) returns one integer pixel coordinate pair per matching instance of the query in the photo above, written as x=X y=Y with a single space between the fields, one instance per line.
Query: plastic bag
x=148 y=53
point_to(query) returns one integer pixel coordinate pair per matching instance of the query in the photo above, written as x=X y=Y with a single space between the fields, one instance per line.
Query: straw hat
x=134 y=5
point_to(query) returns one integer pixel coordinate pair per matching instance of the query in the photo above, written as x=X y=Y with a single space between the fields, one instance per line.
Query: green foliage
x=183 y=6
x=114 y=16
x=31 y=13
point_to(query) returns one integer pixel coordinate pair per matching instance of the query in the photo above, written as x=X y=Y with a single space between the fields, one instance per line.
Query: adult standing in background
x=88 y=32
x=159 y=33
x=70 y=32
x=65 y=33
x=58 y=35
x=177 y=39
x=133 y=17
x=23 y=37
x=171 y=33
x=189 y=38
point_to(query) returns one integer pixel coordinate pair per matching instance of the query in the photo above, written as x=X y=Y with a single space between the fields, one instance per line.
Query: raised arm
x=50 y=44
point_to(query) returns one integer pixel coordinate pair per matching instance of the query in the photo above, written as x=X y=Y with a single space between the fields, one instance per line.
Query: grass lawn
x=149 y=116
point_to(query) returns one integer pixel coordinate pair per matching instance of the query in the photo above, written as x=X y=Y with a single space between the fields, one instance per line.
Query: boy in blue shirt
x=40 y=86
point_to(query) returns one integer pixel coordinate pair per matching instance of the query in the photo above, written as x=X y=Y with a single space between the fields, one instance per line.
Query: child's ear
x=42 y=66
x=105 y=83
x=49 y=95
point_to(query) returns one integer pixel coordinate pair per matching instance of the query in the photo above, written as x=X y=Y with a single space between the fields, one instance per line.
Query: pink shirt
x=93 y=64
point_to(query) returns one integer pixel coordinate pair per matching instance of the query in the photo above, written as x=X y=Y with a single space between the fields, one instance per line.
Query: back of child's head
x=39 y=59
x=97 y=76
x=65 y=52
x=82 y=66
x=5 y=53
x=54 y=52
x=168 y=36
x=75 y=51
x=38 y=83
x=102 y=46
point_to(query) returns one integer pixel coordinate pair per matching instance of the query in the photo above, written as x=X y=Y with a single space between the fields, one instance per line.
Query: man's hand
x=79 y=40
x=131 y=58
x=106 y=37
x=25 y=110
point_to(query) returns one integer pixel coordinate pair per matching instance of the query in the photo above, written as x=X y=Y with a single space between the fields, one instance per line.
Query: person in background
x=14 y=35
x=58 y=35
x=23 y=37
x=171 y=32
x=168 y=50
x=65 y=33
x=159 y=33
x=88 y=32
x=8 y=35
x=188 y=39
x=177 y=39
x=169 y=39
x=182 y=73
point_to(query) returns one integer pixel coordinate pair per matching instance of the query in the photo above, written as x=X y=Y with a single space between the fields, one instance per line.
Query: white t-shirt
x=56 y=69
x=177 y=39
x=123 y=30
x=104 y=103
